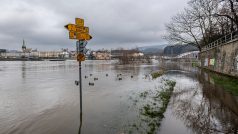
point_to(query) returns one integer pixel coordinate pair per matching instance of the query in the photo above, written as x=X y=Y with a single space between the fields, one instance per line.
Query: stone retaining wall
x=222 y=59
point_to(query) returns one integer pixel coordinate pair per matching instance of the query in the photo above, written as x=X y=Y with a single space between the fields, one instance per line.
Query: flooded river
x=40 y=97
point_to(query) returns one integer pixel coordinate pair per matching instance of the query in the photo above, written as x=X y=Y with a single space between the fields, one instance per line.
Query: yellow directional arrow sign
x=79 y=22
x=70 y=27
x=78 y=30
x=72 y=35
x=82 y=36
x=82 y=30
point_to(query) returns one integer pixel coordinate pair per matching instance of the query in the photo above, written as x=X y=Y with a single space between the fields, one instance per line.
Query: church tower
x=23 y=46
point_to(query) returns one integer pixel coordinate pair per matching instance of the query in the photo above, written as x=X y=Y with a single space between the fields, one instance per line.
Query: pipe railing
x=221 y=41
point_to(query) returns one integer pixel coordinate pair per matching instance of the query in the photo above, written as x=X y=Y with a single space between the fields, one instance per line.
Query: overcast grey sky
x=112 y=23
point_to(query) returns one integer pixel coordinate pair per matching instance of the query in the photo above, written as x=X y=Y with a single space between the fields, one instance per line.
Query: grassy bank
x=229 y=84
x=157 y=74
x=151 y=105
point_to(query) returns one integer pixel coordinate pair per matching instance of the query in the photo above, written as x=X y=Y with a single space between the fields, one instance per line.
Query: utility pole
x=81 y=33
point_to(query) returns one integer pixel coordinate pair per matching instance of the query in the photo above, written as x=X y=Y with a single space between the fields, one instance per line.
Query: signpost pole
x=81 y=33
x=80 y=87
x=80 y=80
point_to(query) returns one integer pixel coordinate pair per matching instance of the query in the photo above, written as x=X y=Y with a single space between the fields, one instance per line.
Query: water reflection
x=23 y=70
x=81 y=123
x=203 y=106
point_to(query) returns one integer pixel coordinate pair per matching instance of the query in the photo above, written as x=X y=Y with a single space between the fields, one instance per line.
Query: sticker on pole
x=80 y=57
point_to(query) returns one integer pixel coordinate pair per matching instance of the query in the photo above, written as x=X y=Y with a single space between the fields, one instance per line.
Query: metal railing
x=221 y=41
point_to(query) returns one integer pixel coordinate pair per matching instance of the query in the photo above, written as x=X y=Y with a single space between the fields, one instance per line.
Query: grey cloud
x=112 y=23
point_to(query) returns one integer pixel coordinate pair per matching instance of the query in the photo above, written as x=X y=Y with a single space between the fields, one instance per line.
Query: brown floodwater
x=40 y=97
x=199 y=104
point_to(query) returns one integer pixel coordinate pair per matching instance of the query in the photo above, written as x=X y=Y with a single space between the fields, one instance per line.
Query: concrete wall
x=222 y=59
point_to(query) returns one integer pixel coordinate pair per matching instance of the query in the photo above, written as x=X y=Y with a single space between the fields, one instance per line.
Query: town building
x=115 y=54
x=29 y=53
x=103 y=55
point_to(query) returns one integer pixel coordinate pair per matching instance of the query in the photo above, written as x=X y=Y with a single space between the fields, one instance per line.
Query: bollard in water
x=76 y=83
x=118 y=75
x=91 y=84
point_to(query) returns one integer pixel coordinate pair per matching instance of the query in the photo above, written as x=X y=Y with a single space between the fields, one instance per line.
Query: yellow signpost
x=80 y=57
x=81 y=33
x=83 y=36
x=71 y=27
x=82 y=30
x=79 y=22
x=78 y=30
x=72 y=35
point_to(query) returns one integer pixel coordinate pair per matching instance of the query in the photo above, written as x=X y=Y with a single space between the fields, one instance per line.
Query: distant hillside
x=179 y=49
x=153 y=50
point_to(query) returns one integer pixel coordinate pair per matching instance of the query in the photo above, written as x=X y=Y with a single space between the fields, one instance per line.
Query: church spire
x=23 y=45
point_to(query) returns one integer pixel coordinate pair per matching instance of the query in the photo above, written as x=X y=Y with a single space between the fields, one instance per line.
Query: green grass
x=157 y=74
x=152 y=110
x=195 y=64
x=152 y=113
x=229 y=84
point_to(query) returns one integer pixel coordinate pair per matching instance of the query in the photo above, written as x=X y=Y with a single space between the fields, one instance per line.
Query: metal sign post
x=80 y=88
x=81 y=33
x=81 y=51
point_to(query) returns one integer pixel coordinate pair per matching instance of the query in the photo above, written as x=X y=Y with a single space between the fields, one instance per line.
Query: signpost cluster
x=80 y=33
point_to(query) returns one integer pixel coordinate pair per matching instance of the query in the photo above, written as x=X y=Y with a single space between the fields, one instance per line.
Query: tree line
x=203 y=21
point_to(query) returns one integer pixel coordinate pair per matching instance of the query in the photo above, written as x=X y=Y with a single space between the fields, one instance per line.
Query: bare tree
x=229 y=9
x=182 y=29
x=203 y=22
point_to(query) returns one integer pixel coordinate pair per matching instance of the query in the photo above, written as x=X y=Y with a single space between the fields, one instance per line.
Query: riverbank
x=200 y=103
x=228 y=82
x=219 y=73
x=32 y=59
x=21 y=59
